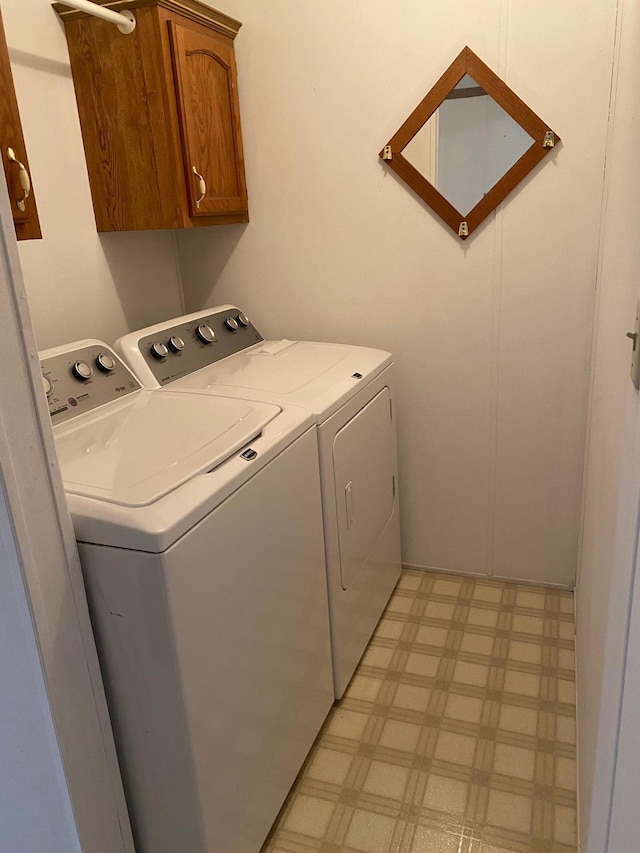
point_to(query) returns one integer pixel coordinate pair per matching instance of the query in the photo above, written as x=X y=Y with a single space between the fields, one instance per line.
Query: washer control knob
x=232 y=324
x=159 y=350
x=47 y=384
x=243 y=320
x=105 y=362
x=82 y=370
x=176 y=344
x=206 y=333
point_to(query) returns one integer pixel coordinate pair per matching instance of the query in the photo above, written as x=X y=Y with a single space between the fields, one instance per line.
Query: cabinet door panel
x=205 y=78
x=364 y=469
x=25 y=221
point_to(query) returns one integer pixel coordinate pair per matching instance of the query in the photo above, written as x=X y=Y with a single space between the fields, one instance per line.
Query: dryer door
x=364 y=469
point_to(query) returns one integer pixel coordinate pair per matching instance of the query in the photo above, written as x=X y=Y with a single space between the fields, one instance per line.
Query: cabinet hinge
x=393 y=484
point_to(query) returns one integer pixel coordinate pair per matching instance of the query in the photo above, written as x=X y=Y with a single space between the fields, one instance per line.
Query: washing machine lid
x=135 y=451
x=321 y=377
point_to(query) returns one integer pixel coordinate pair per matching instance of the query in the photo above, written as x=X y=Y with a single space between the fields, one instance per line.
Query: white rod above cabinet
x=125 y=21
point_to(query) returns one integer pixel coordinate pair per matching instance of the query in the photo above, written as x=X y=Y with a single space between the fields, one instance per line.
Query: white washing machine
x=349 y=391
x=199 y=525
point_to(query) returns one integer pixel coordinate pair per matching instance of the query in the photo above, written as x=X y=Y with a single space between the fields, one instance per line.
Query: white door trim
x=51 y=571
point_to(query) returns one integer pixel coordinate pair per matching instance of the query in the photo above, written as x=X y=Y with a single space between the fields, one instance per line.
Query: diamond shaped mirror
x=467 y=144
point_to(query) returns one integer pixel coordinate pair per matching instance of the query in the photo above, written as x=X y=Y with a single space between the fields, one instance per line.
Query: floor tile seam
x=393 y=617
x=321 y=789
x=437 y=820
x=442 y=821
x=488 y=605
x=462 y=727
x=519 y=699
x=469 y=691
x=528 y=742
x=524 y=667
x=565 y=750
x=542 y=822
x=382 y=643
x=490 y=631
x=448 y=649
x=376 y=805
x=371 y=671
x=397 y=836
x=428 y=648
x=512 y=784
x=503 y=836
x=527 y=790
x=373 y=807
x=408 y=583
x=398 y=757
x=292 y=847
x=359 y=706
x=402 y=761
x=432 y=595
x=338 y=825
x=565 y=797
x=298 y=841
x=507 y=663
x=424 y=620
x=411 y=679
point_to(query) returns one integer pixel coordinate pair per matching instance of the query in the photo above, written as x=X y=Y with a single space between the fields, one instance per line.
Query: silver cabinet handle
x=23 y=177
x=202 y=186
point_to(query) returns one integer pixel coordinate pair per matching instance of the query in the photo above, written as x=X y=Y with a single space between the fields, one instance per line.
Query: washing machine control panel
x=178 y=350
x=80 y=378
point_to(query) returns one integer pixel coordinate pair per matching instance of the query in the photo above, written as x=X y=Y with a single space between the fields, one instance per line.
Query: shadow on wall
x=39 y=63
x=144 y=270
x=209 y=248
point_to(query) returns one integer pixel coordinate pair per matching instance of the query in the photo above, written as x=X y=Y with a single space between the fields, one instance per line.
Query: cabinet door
x=25 y=215
x=206 y=91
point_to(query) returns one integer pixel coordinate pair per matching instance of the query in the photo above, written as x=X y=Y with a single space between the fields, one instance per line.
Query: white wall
x=79 y=284
x=612 y=482
x=491 y=336
x=55 y=732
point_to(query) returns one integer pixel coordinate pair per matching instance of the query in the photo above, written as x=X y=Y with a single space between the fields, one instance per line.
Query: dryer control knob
x=82 y=370
x=47 y=384
x=105 y=362
x=243 y=320
x=232 y=324
x=159 y=350
x=206 y=333
x=176 y=344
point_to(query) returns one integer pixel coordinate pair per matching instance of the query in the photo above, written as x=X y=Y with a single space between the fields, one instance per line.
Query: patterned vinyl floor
x=456 y=734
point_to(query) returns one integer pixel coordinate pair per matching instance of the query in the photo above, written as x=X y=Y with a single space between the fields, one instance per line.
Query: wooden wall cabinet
x=159 y=115
x=16 y=169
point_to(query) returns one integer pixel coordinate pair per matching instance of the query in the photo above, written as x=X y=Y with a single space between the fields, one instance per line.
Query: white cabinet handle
x=348 y=501
x=23 y=177
x=202 y=186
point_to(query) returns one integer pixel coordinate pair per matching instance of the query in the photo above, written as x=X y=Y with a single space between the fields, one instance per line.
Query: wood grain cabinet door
x=206 y=92
x=25 y=215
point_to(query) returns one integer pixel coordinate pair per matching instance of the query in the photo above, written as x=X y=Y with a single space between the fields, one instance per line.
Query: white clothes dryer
x=349 y=390
x=199 y=526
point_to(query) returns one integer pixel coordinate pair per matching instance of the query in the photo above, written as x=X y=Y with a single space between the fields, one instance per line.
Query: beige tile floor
x=456 y=734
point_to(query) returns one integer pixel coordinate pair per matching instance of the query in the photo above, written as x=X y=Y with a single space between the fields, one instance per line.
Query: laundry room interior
x=516 y=417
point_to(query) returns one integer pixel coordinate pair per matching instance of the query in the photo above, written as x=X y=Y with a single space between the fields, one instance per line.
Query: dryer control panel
x=173 y=351
x=83 y=376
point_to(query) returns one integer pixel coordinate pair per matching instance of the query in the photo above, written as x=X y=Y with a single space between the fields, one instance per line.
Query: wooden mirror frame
x=544 y=139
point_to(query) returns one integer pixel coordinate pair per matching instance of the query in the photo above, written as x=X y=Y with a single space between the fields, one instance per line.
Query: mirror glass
x=467 y=145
